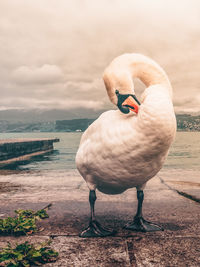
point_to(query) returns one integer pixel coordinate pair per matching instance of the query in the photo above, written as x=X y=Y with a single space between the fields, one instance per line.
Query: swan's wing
x=109 y=136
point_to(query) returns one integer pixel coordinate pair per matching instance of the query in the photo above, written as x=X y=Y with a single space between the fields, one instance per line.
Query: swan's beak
x=127 y=102
x=131 y=103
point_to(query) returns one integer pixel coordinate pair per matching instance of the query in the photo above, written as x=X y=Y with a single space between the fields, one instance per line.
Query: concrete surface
x=177 y=245
x=183 y=181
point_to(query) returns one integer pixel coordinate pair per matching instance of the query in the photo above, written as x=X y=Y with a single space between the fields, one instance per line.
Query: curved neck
x=148 y=71
x=121 y=71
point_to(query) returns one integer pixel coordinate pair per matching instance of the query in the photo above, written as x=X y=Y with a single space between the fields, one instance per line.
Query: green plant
x=24 y=223
x=26 y=254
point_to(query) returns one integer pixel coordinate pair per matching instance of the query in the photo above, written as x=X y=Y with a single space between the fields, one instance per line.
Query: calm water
x=184 y=153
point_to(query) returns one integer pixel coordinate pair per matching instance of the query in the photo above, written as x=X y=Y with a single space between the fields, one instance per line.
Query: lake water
x=184 y=153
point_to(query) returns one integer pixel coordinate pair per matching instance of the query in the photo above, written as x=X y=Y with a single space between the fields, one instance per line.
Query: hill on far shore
x=60 y=121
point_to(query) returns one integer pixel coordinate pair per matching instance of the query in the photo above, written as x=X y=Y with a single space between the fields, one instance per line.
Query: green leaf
x=26 y=254
x=42 y=214
x=24 y=223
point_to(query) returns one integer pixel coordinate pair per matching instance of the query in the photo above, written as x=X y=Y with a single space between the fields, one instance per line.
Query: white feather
x=119 y=151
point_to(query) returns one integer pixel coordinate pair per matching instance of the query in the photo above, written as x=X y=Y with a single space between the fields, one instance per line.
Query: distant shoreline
x=178 y=130
x=185 y=123
x=188 y=131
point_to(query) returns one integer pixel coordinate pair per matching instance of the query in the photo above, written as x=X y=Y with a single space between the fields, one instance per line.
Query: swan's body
x=119 y=151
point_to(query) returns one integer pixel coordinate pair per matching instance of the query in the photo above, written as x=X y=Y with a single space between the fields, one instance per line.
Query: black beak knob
x=121 y=99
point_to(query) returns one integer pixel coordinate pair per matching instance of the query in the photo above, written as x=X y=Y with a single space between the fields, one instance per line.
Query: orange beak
x=131 y=103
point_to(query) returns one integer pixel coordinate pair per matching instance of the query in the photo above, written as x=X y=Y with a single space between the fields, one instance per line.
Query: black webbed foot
x=96 y=230
x=139 y=224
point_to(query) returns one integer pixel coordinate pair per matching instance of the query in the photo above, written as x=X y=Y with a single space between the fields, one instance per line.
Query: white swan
x=123 y=149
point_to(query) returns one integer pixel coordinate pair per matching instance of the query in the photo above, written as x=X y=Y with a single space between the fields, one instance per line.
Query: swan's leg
x=94 y=228
x=139 y=223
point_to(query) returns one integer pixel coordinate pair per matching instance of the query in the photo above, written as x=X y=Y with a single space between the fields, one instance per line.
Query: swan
x=124 y=148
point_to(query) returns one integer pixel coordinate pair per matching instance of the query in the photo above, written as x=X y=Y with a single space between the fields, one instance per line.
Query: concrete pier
x=13 y=150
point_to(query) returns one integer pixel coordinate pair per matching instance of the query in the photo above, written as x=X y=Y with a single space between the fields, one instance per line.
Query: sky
x=53 y=53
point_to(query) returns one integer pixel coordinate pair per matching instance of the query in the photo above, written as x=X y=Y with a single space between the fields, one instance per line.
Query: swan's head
x=120 y=89
x=127 y=102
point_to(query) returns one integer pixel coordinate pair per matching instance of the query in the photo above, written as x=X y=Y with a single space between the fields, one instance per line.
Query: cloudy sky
x=53 y=52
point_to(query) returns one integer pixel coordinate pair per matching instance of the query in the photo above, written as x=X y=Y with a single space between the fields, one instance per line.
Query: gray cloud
x=41 y=75
x=53 y=52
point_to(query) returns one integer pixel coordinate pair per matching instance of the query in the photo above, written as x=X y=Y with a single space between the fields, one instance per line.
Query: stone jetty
x=13 y=150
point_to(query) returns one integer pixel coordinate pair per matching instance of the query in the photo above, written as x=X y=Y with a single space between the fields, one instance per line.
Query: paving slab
x=185 y=182
x=177 y=245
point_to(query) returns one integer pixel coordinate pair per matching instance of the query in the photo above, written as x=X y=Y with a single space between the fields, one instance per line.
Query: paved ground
x=178 y=245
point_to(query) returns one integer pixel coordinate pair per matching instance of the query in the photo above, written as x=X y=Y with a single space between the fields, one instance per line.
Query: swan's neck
x=148 y=71
x=121 y=71
x=148 y=74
